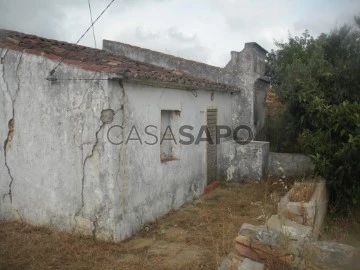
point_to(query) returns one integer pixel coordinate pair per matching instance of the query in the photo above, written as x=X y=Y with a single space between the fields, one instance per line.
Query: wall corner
x=250 y=60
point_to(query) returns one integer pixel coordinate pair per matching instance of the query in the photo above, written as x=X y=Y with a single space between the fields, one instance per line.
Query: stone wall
x=260 y=109
x=289 y=165
x=242 y=162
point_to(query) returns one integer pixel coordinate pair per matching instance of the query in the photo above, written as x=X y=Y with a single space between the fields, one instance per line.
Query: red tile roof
x=103 y=61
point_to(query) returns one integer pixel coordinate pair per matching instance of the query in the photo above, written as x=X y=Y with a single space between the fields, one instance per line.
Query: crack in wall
x=123 y=157
x=9 y=138
x=83 y=171
x=92 y=151
x=12 y=101
x=11 y=123
x=95 y=227
x=106 y=118
x=90 y=88
x=95 y=222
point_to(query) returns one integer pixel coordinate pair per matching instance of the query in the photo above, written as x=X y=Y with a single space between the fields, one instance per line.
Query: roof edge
x=156 y=52
x=173 y=85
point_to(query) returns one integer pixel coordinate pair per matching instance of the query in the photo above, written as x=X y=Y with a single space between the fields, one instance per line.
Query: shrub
x=318 y=81
x=334 y=145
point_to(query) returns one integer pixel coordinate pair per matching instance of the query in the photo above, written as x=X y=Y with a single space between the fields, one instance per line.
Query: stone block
x=260 y=233
x=271 y=238
x=289 y=228
x=235 y=262
x=250 y=230
x=258 y=251
x=248 y=264
x=289 y=165
x=331 y=255
x=311 y=213
x=247 y=252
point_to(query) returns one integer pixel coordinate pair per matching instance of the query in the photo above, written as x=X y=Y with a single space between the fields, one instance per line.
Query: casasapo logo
x=185 y=135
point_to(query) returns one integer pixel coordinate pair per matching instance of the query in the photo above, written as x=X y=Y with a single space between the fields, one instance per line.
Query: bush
x=318 y=81
x=282 y=134
x=334 y=145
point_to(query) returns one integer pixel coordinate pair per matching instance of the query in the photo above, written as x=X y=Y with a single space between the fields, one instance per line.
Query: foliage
x=280 y=133
x=318 y=80
x=334 y=145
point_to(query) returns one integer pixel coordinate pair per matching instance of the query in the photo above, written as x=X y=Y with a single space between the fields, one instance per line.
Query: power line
x=87 y=30
x=92 y=23
x=77 y=79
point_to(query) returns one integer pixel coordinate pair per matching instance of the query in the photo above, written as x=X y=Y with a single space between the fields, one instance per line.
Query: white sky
x=202 y=30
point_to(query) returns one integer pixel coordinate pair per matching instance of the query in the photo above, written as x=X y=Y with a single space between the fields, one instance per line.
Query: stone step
x=289 y=228
x=331 y=256
x=272 y=238
x=237 y=262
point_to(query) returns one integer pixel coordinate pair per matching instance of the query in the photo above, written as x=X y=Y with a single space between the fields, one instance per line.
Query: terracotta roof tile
x=103 y=61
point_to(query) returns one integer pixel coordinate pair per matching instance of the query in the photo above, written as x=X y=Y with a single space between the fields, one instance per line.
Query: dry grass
x=196 y=236
x=343 y=229
x=302 y=192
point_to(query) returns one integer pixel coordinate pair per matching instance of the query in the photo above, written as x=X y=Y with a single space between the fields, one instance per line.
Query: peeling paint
x=243 y=162
x=107 y=116
x=230 y=173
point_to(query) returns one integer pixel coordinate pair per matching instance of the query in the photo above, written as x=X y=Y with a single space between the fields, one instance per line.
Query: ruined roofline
x=249 y=45
x=256 y=46
x=103 y=61
x=107 y=43
x=250 y=62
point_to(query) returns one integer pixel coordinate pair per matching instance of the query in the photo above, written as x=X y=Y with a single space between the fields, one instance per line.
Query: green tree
x=319 y=82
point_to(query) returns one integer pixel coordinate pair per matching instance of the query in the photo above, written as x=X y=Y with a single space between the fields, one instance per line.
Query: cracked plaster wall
x=238 y=162
x=59 y=168
x=55 y=153
x=243 y=70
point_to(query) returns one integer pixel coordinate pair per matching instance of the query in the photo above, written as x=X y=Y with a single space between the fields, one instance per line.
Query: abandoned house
x=80 y=131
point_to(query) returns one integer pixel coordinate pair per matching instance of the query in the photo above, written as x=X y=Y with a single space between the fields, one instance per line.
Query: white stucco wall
x=53 y=149
x=59 y=168
x=155 y=187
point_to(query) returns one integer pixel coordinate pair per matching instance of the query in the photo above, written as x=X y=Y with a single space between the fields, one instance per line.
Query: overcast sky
x=202 y=30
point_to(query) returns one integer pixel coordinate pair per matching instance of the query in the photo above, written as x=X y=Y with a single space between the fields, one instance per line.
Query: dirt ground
x=196 y=236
